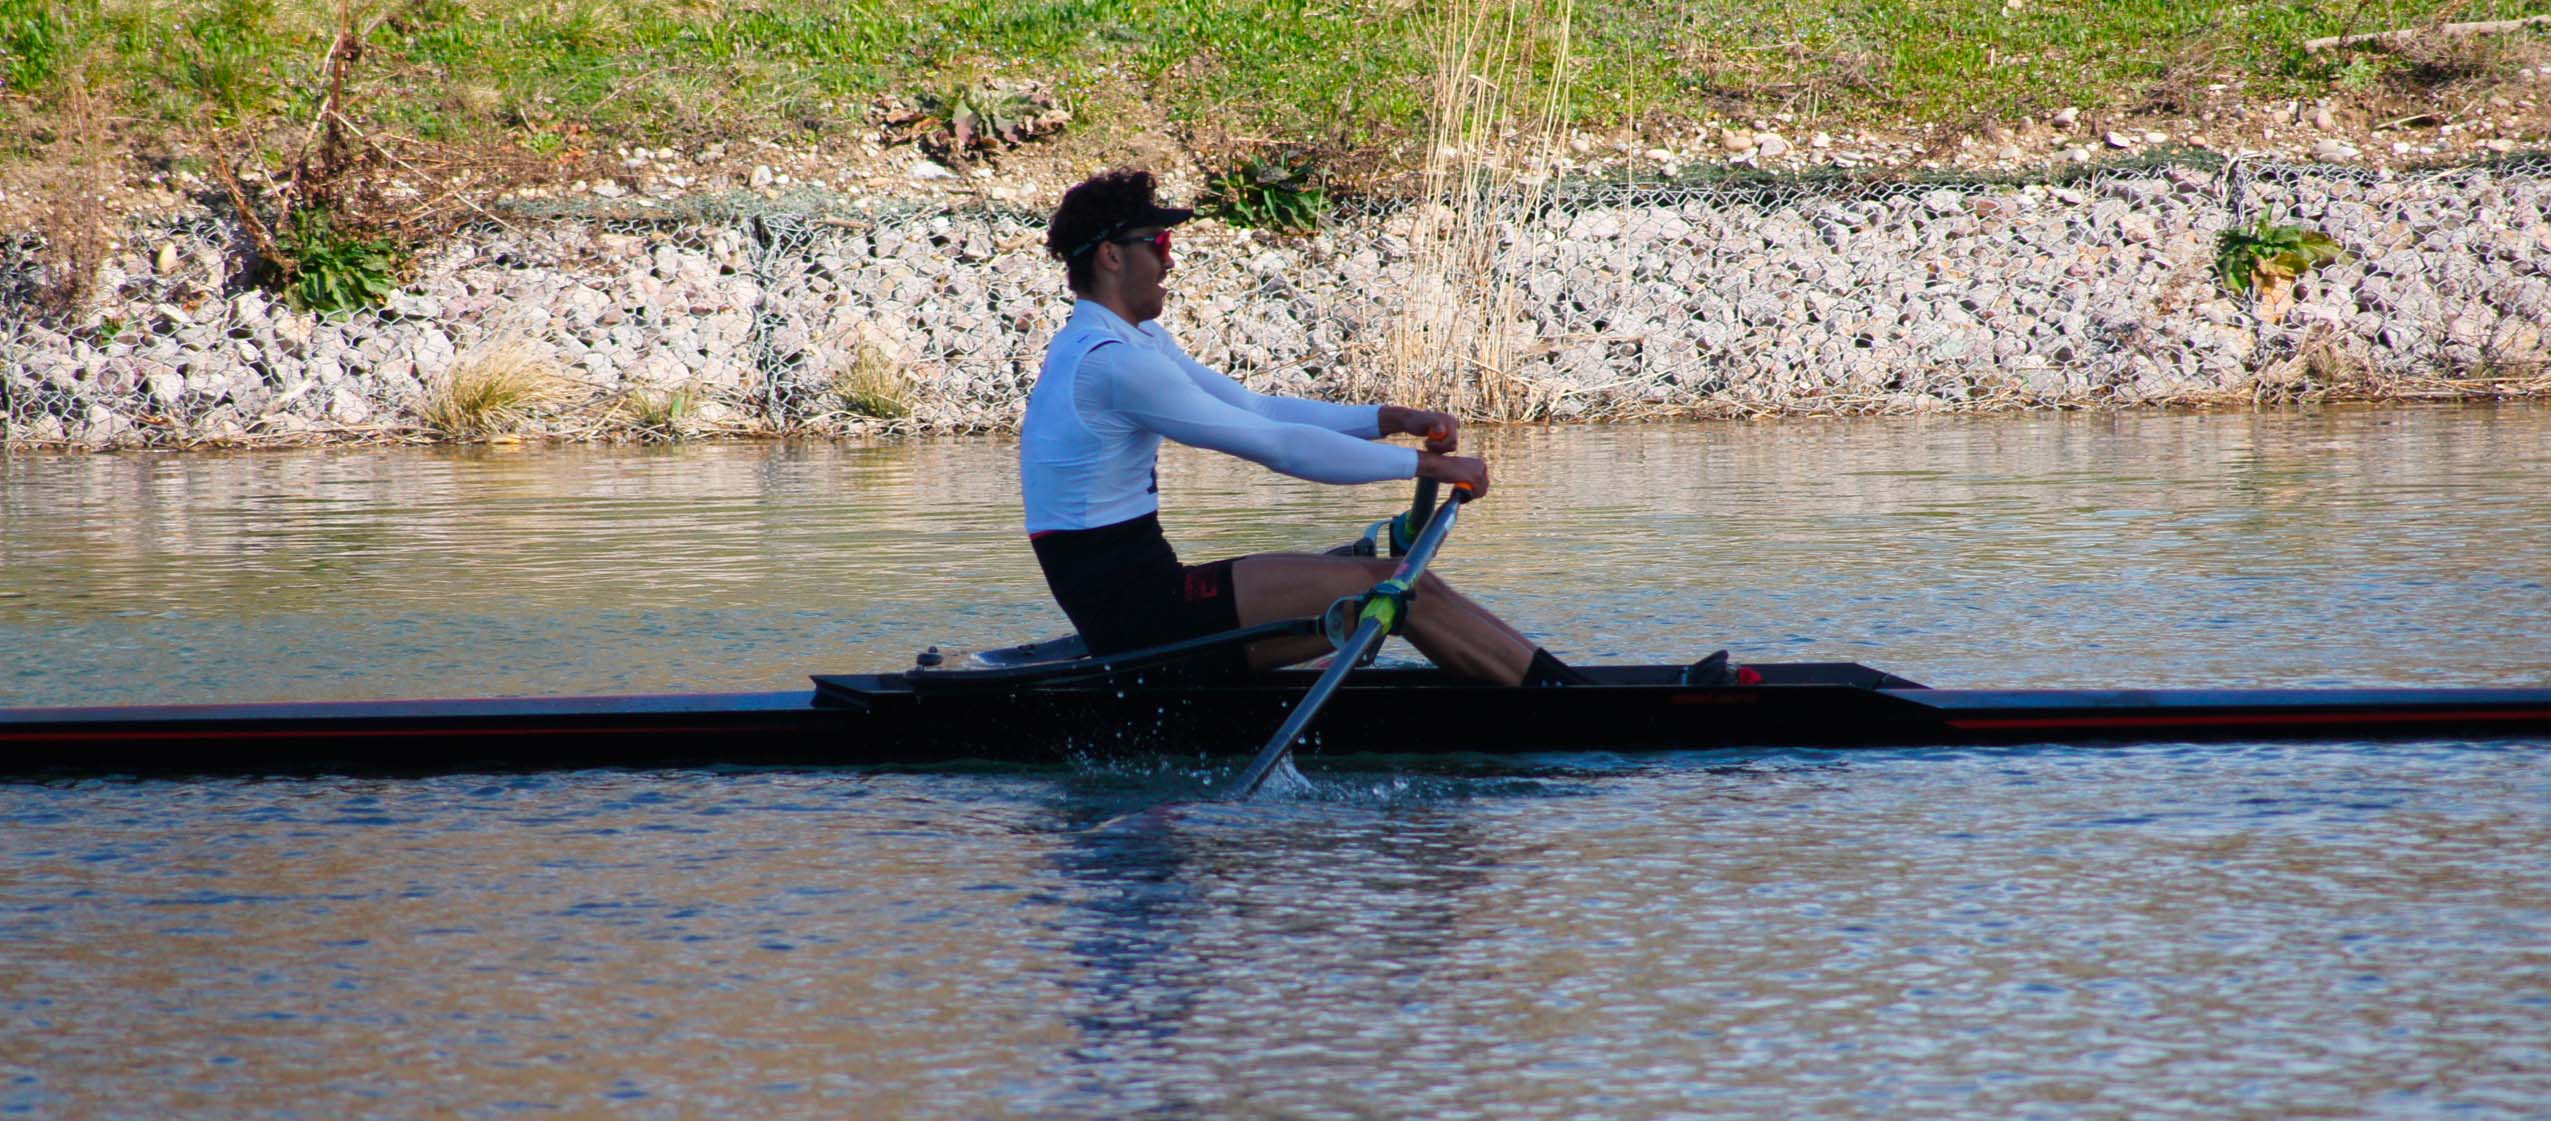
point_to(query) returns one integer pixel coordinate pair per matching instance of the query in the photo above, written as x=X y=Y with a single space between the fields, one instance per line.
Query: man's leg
x=1446 y=626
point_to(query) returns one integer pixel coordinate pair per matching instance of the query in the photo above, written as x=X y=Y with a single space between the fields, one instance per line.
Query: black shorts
x=1124 y=590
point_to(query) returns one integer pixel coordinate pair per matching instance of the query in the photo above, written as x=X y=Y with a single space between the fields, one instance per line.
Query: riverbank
x=745 y=315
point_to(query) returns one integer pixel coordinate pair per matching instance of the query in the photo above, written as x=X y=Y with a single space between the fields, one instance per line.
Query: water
x=2159 y=931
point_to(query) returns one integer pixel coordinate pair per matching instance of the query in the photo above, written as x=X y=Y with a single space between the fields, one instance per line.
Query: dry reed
x=79 y=231
x=1501 y=84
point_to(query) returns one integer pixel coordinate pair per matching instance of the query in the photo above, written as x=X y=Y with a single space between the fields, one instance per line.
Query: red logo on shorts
x=1203 y=583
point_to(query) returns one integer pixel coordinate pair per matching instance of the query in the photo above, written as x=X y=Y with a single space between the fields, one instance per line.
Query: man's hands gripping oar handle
x=1383 y=609
x=1443 y=434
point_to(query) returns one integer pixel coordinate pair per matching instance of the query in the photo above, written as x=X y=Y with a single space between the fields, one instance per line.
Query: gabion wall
x=1635 y=301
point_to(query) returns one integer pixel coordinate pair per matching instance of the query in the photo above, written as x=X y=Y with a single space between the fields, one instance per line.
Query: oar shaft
x=1419 y=513
x=1368 y=634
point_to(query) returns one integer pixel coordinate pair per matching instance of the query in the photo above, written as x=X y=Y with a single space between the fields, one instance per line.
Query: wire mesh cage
x=1730 y=296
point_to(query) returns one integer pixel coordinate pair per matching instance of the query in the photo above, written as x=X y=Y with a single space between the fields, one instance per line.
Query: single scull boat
x=1050 y=701
x=939 y=715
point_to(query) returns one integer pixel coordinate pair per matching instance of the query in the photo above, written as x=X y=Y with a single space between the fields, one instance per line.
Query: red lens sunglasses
x=1159 y=243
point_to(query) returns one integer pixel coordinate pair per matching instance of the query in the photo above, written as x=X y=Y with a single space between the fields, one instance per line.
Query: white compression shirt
x=1110 y=391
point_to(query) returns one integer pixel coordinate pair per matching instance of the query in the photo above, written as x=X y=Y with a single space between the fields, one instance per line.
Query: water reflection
x=2156 y=931
x=2349 y=545
x=1198 y=924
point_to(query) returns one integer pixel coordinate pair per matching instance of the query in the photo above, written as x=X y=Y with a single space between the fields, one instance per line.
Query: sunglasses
x=1159 y=243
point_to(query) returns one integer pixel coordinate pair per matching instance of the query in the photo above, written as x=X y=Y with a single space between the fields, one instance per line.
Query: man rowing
x=1115 y=384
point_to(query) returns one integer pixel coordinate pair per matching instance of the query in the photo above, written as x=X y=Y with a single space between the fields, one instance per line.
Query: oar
x=1383 y=608
x=1404 y=534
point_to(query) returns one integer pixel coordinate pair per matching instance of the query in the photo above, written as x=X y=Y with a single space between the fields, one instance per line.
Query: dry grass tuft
x=493 y=391
x=873 y=385
x=2320 y=367
x=2324 y=367
x=2439 y=59
x=657 y=414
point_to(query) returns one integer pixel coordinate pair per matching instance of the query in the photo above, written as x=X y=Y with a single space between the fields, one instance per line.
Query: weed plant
x=1264 y=194
x=2266 y=254
x=336 y=272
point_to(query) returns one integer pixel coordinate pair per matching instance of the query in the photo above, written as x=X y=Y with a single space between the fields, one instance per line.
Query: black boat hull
x=895 y=719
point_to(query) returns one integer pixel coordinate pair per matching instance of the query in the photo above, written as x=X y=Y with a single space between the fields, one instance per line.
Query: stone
x=345 y=406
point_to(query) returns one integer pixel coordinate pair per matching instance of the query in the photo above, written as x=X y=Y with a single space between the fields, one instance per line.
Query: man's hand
x=1459 y=470
x=1441 y=430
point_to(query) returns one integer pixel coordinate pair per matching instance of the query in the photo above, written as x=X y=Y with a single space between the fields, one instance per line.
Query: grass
x=492 y=392
x=872 y=386
x=658 y=414
x=1346 y=77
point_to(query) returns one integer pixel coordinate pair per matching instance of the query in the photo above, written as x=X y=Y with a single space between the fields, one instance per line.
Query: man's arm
x=1361 y=421
x=1162 y=396
x=1441 y=430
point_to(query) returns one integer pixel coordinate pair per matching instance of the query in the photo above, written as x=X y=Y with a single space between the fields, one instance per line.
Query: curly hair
x=1111 y=200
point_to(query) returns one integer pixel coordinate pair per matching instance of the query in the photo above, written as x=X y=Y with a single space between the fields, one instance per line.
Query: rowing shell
x=933 y=717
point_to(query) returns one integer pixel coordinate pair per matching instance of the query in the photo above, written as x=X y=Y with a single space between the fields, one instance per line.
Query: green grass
x=1337 y=76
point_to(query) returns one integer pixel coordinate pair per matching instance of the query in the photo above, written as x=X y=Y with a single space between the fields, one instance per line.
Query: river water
x=2214 y=931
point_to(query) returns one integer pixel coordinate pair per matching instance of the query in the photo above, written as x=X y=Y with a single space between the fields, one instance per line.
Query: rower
x=1115 y=384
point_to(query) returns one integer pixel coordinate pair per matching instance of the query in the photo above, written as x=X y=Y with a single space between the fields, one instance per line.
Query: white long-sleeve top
x=1110 y=391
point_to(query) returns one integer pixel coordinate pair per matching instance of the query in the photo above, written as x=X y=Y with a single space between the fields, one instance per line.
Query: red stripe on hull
x=363 y=733
x=1979 y=724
